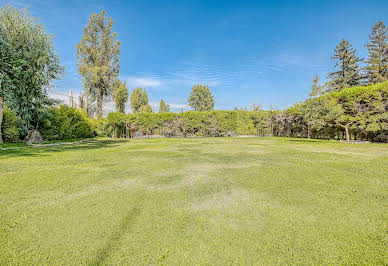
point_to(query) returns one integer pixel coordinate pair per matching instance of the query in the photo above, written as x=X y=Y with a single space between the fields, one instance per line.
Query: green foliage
x=348 y=70
x=377 y=62
x=98 y=59
x=317 y=89
x=33 y=64
x=359 y=111
x=163 y=107
x=139 y=98
x=145 y=109
x=65 y=123
x=201 y=98
x=12 y=126
x=116 y=124
x=120 y=96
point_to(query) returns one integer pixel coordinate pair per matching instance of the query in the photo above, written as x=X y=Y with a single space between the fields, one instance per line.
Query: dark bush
x=64 y=122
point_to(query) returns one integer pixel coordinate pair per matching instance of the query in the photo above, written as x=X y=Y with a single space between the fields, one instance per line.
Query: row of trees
x=349 y=71
x=98 y=55
x=340 y=108
x=359 y=113
x=29 y=64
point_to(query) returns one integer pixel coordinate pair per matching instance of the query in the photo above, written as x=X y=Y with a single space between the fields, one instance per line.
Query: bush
x=116 y=124
x=11 y=127
x=64 y=122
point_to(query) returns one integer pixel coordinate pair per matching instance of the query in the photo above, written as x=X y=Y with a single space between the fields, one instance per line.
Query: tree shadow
x=303 y=140
x=42 y=151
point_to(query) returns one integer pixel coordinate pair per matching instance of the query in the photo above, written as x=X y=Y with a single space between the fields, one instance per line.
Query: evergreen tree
x=201 y=98
x=163 y=107
x=317 y=89
x=348 y=73
x=139 y=98
x=377 y=63
x=98 y=59
x=120 y=96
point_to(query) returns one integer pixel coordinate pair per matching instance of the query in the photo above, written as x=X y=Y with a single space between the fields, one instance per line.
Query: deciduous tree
x=139 y=98
x=163 y=107
x=98 y=59
x=33 y=65
x=120 y=96
x=201 y=98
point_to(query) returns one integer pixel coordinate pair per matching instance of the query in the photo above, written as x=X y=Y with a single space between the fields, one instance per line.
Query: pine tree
x=317 y=89
x=98 y=59
x=348 y=73
x=163 y=107
x=377 y=63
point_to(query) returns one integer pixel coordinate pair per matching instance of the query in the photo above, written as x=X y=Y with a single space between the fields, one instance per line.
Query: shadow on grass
x=44 y=151
x=303 y=140
x=114 y=240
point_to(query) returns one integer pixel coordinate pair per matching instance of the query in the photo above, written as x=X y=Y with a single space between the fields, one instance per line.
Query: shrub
x=64 y=122
x=11 y=127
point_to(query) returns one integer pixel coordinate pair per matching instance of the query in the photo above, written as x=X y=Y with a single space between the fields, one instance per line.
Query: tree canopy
x=163 y=107
x=348 y=69
x=377 y=62
x=98 y=59
x=33 y=63
x=120 y=96
x=139 y=98
x=201 y=98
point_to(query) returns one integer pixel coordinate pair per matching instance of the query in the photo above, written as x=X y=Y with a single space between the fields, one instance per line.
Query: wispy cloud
x=142 y=82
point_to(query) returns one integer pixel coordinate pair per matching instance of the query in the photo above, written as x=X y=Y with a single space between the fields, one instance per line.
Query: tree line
x=351 y=104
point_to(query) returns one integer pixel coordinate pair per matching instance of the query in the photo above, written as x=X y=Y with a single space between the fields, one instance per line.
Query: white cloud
x=178 y=106
x=142 y=82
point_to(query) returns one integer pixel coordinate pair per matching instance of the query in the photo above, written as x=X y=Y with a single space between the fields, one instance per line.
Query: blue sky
x=248 y=52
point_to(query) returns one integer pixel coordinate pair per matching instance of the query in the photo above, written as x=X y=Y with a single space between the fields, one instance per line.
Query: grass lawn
x=195 y=201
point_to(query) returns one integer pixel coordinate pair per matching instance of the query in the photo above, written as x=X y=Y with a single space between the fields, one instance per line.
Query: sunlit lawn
x=195 y=201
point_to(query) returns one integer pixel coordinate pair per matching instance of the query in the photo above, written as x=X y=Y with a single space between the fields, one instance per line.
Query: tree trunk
x=99 y=105
x=1 y=117
x=308 y=132
x=347 y=132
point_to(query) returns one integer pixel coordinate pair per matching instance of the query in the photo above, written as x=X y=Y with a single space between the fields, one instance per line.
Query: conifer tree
x=163 y=107
x=377 y=62
x=317 y=89
x=348 y=69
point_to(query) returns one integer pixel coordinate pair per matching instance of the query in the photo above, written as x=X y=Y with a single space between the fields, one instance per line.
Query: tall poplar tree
x=139 y=98
x=377 y=62
x=348 y=69
x=98 y=59
x=163 y=107
x=120 y=96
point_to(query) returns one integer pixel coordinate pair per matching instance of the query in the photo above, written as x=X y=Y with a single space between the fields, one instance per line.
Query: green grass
x=195 y=201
